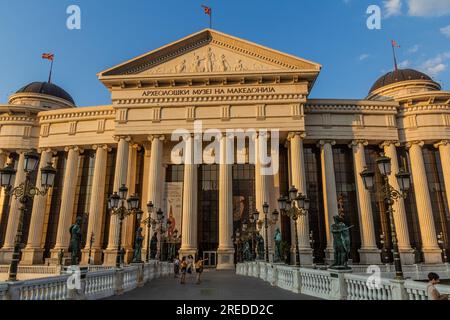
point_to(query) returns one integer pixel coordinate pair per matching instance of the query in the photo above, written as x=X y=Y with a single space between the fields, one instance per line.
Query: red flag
x=207 y=10
x=48 y=56
x=395 y=44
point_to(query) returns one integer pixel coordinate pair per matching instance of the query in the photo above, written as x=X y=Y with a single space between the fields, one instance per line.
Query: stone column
x=120 y=178
x=129 y=224
x=299 y=181
x=34 y=253
x=189 y=228
x=14 y=213
x=369 y=252
x=3 y=161
x=444 y=151
x=329 y=192
x=401 y=222
x=67 y=202
x=96 y=207
x=225 y=251
x=430 y=247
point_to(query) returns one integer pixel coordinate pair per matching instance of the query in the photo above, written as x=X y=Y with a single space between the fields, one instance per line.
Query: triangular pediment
x=210 y=51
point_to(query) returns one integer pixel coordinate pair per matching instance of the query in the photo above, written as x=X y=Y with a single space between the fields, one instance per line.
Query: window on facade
x=208 y=208
x=345 y=186
x=315 y=194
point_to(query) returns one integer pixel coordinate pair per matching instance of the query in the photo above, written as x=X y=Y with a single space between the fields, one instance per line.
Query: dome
x=47 y=88
x=399 y=75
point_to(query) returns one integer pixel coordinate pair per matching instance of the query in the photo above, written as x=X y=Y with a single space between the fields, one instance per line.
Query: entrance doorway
x=211 y=259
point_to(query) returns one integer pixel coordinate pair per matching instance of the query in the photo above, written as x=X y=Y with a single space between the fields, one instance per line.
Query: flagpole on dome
x=50 y=74
x=51 y=57
x=395 y=45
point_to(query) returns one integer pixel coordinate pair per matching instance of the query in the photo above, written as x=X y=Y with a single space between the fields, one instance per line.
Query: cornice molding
x=77 y=114
x=312 y=108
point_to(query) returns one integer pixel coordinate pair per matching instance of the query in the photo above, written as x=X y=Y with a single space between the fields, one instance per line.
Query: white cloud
x=364 y=56
x=404 y=64
x=446 y=31
x=418 y=8
x=413 y=49
x=436 y=65
x=428 y=8
x=393 y=7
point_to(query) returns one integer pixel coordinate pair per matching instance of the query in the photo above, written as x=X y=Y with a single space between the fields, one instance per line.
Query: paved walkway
x=216 y=285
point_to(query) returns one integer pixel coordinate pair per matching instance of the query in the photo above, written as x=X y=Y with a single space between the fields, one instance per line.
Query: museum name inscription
x=203 y=92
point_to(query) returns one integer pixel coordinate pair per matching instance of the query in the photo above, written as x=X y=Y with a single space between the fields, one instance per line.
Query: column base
x=407 y=256
x=32 y=256
x=432 y=256
x=306 y=257
x=129 y=255
x=96 y=256
x=6 y=255
x=225 y=259
x=109 y=257
x=370 y=256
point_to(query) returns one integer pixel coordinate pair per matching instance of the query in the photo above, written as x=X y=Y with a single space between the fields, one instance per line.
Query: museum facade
x=170 y=104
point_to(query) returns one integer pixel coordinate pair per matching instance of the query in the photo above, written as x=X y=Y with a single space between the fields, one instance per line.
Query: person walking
x=199 y=269
x=190 y=264
x=433 y=293
x=183 y=267
x=176 y=267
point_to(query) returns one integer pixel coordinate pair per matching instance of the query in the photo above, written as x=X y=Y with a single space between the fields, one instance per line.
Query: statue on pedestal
x=260 y=246
x=154 y=246
x=246 y=251
x=137 y=256
x=341 y=245
x=278 y=239
x=75 y=241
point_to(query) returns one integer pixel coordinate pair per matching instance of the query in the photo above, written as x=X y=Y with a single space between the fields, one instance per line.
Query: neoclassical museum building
x=223 y=83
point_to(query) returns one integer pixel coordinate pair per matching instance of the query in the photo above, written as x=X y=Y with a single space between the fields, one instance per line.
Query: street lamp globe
x=404 y=180
x=48 y=174
x=139 y=214
x=31 y=161
x=160 y=214
x=301 y=201
x=113 y=202
x=150 y=207
x=282 y=203
x=266 y=208
x=123 y=191
x=275 y=214
x=368 y=179
x=133 y=202
x=256 y=215
x=293 y=193
x=7 y=175
x=384 y=165
x=307 y=204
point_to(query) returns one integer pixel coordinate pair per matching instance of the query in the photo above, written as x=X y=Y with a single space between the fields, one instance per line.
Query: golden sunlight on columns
x=369 y=252
x=430 y=248
x=33 y=253
x=120 y=179
x=96 y=207
x=225 y=251
x=67 y=203
x=401 y=222
x=299 y=181
x=14 y=213
x=444 y=151
x=189 y=226
x=329 y=192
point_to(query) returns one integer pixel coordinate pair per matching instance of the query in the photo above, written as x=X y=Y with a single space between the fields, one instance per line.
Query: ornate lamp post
x=267 y=222
x=24 y=192
x=91 y=243
x=390 y=195
x=441 y=242
x=294 y=207
x=149 y=222
x=116 y=204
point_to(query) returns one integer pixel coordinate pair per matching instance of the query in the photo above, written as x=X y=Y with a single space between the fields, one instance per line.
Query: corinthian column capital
x=292 y=135
x=321 y=143
x=95 y=147
x=387 y=143
x=411 y=143
x=119 y=137
x=74 y=148
x=156 y=137
x=356 y=142
x=441 y=143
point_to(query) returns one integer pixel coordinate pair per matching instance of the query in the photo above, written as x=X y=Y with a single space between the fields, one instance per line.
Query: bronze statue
x=278 y=239
x=60 y=257
x=137 y=256
x=260 y=246
x=154 y=246
x=341 y=245
x=75 y=241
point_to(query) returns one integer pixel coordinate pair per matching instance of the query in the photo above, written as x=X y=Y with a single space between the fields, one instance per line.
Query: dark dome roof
x=399 y=76
x=48 y=89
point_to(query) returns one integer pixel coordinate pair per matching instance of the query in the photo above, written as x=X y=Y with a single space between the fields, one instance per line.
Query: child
x=176 y=267
x=199 y=269
x=183 y=267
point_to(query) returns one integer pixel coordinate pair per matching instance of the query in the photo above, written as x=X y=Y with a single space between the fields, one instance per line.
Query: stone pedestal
x=306 y=257
x=118 y=282
x=432 y=256
x=32 y=257
x=407 y=257
x=370 y=256
x=338 y=285
x=225 y=259
x=110 y=257
x=6 y=255
x=96 y=256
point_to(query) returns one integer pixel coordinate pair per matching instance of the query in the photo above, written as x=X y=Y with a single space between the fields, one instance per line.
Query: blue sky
x=330 y=32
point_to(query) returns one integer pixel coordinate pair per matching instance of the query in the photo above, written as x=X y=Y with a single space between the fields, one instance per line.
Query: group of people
x=188 y=266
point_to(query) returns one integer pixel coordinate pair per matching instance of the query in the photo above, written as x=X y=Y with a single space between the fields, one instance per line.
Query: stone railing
x=91 y=285
x=336 y=285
